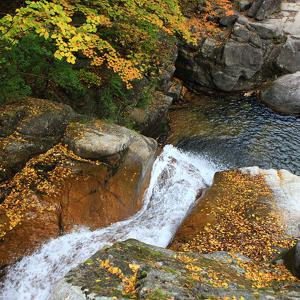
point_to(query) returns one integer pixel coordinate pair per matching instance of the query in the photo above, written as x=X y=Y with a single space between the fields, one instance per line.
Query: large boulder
x=130 y=155
x=96 y=178
x=243 y=60
x=134 y=270
x=98 y=139
x=250 y=211
x=240 y=60
x=284 y=94
x=289 y=57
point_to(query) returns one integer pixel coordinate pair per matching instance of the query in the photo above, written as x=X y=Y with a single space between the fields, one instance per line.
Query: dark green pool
x=238 y=133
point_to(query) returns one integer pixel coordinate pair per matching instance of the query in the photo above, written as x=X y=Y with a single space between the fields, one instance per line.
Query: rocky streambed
x=234 y=243
x=93 y=206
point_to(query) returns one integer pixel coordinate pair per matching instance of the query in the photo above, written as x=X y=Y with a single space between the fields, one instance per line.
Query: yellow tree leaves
x=217 y=273
x=128 y=283
x=263 y=275
x=203 y=21
x=55 y=20
x=234 y=217
x=22 y=201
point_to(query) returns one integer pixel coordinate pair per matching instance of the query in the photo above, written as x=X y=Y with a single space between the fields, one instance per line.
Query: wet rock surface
x=230 y=246
x=95 y=177
x=135 y=270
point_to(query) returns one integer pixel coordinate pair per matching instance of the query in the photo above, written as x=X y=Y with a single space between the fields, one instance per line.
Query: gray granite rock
x=164 y=274
x=284 y=94
x=261 y=9
x=289 y=57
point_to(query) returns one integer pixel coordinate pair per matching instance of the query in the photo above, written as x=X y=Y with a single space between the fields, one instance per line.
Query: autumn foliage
x=239 y=214
x=81 y=29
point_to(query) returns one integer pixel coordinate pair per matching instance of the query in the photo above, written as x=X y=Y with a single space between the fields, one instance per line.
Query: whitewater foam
x=176 y=180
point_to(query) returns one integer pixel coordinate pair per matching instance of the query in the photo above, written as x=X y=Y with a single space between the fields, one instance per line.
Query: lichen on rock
x=164 y=274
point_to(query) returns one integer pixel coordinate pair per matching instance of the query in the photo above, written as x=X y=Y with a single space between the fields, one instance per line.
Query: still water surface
x=237 y=133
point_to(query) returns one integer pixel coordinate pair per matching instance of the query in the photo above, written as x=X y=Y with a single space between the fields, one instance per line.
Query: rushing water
x=175 y=182
x=240 y=132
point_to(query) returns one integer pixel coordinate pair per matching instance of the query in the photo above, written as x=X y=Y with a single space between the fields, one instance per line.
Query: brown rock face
x=96 y=199
x=53 y=193
x=237 y=214
x=88 y=194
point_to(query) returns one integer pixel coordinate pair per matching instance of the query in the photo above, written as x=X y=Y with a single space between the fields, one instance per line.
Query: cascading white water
x=175 y=181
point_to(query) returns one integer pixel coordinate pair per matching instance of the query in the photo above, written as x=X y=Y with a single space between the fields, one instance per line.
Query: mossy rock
x=134 y=270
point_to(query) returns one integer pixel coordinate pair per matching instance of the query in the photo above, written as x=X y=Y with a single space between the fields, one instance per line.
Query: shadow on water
x=238 y=133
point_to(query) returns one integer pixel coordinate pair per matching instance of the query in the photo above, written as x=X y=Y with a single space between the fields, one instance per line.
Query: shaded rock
x=289 y=57
x=236 y=64
x=297 y=259
x=292 y=259
x=248 y=54
x=157 y=273
x=189 y=8
x=28 y=128
x=261 y=9
x=228 y=21
x=152 y=121
x=241 y=60
x=175 y=90
x=284 y=94
x=269 y=29
x=167 y=67
x=244 y=4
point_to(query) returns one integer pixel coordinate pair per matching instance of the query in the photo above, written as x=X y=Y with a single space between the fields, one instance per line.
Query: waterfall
x=176 y=180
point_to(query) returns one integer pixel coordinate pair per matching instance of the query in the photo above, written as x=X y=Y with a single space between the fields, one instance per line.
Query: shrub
x=29 y=68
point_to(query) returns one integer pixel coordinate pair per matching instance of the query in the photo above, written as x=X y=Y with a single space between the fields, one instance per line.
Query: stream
x=237 y=132
x=176 y=180
x=241 y=132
